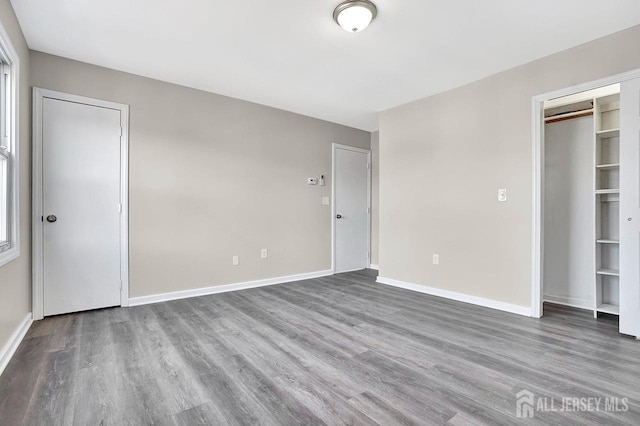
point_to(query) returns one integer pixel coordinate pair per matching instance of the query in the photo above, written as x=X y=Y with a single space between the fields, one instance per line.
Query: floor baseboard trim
x=11 y=346
x=349 y=270
x=374 y=266
x=572 y=302
x=185 y=294
x=474 y=300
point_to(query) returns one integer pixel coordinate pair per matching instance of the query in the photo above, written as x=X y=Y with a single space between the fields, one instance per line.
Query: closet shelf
x=610 y=133
x=610 y=272
x=608 y=308
x=607 y=191
x=608 y=241
x=608 y=166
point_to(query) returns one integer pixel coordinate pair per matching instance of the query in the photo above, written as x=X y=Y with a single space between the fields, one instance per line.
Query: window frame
x=9 y=110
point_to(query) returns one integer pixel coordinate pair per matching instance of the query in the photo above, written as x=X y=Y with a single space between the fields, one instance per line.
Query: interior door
x=81 y=206
x=630 y=207
x=351 y=208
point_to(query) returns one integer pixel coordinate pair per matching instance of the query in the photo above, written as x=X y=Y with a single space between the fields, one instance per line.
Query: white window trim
x=12 y=58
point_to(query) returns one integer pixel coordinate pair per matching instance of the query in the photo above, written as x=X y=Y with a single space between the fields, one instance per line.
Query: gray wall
x=569 y=211
x=212 y=177
x=443 y=158
x=15 y=277
x=375 y=199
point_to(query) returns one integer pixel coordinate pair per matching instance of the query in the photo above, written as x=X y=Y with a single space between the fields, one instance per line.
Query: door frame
x=37 y=209
x=334 y=148
x=537 y=111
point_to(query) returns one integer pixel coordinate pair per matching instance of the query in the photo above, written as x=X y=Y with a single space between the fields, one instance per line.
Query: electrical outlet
x=502 y=194
x=235 y=261
x=325 y=201
x=436 y=259
x=264 y=254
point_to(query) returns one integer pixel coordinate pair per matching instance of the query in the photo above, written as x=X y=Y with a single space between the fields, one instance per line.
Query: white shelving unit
x=607 y=204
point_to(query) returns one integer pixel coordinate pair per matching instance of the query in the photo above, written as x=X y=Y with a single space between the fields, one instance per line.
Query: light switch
x=235 y=261
x=325 y=201
x=502 y=194
x=264 y=254
x=312 y=181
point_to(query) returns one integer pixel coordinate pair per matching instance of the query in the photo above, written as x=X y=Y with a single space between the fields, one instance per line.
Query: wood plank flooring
x=335 y=350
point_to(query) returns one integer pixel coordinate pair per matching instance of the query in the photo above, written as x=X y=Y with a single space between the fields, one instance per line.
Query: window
x=9 y=241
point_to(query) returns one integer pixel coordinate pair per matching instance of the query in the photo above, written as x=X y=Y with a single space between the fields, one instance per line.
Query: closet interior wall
x=569 y=214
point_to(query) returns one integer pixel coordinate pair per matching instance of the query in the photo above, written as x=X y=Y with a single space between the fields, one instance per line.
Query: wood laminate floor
x=335 y=350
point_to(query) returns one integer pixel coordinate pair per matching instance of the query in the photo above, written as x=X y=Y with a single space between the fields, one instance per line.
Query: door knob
x=51 y=218
x=338 y=216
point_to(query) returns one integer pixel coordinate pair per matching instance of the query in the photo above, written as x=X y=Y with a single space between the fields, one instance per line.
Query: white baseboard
x=474 y=300
x=569 y=301
x=185 y=294
x=349 y=270
x=374 y=266
x=14 y=341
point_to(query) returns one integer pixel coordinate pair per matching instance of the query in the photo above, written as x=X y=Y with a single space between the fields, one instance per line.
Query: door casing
x=537 y=216
x=37 y=213
x=334 y=148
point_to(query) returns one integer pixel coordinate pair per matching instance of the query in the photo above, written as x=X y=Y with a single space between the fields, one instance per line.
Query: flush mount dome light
x=355 y=15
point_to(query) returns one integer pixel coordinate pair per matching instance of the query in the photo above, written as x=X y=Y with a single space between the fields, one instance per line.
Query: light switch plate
x=502 y=194
x=235 y=261
x=264 y=253
x=325 y=201
x=436 y=259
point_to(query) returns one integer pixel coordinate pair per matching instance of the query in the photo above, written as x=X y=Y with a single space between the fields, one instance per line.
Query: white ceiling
x=289 y=54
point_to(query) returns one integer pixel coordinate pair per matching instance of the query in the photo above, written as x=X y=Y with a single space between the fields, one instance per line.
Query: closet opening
x=586 y=200
x=581 y=201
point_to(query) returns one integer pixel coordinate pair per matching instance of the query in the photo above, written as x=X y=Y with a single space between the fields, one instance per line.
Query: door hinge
x=121 y=284
x=120 y=208
x=368 y=166
x=369 y=210
x=121 y=131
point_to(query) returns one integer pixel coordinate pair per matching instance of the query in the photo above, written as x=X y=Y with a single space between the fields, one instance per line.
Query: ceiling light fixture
x=355 y=15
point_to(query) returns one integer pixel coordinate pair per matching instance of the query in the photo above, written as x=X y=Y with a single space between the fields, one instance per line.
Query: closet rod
x=568 y=116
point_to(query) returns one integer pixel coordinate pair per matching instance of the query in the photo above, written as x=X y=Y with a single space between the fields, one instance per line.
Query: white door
x=630 y=207
x=351 y=201
x=81 y=206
